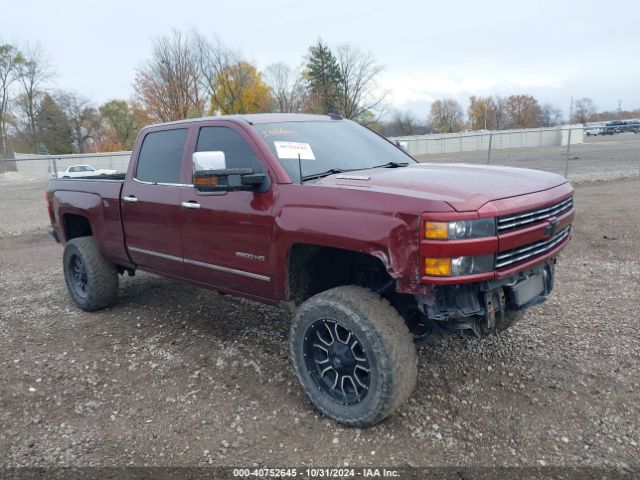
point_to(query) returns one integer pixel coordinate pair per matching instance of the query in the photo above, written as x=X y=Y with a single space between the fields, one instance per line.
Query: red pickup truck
x=372 y=251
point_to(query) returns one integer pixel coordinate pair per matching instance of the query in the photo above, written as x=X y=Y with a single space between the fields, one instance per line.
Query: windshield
x=325 y=146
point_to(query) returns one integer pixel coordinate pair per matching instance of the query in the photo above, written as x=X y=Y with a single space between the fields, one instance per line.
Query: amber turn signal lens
x=437 y=230
x=205 y=181
x=437 y=267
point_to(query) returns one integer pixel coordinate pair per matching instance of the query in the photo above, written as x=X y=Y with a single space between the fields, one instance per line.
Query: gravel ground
x=176 y=375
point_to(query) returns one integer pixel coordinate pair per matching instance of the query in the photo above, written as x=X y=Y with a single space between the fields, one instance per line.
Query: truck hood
x=464 y=187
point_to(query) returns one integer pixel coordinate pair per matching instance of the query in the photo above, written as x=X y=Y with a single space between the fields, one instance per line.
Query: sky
x=550 y=49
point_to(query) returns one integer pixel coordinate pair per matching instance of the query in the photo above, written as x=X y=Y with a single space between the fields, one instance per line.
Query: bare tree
x=446 y=115
x=550 y=115
x=33 y=72
x=499 y=112
x=83 y=118
x=583 y=110
x=10 y=58
x=286 y=86
x=402 y=123
x=213 y=60
x=170 y=84
x=358 y=93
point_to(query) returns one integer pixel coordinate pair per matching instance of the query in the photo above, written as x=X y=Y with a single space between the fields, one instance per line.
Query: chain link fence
x=573 y=151
x=42 y=167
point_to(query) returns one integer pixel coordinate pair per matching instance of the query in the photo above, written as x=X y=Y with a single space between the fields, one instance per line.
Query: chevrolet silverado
x=370 y=250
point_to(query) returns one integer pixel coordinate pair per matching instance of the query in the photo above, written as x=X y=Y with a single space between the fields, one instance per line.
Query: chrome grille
x=517 y=220
x=510 y=257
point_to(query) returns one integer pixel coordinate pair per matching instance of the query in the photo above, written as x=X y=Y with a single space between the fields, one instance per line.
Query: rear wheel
x=92 y=281
x=353 y=354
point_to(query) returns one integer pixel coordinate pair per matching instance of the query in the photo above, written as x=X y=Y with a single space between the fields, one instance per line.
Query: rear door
x=227 y=238
x=151 y=211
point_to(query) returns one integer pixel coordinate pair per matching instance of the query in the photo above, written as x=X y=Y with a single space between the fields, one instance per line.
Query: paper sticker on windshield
x=293 y=149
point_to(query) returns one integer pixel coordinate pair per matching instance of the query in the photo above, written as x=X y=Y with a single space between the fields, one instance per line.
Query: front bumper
x=524 y=289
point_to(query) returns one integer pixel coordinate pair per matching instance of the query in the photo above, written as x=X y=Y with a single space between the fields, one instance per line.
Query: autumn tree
x=10 y=58
x=523 y=111
x=239 y=88
x=286 y=85
x=120 y=126
x=583 y=110
x=481 y=113
x=357 y=86
x=230 y=83
x=550 y=115
x=169 y=85
x=83 y=118
x=323 y=78
x=446 y=116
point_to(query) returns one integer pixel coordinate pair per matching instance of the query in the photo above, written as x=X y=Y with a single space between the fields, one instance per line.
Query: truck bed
x=97 y=198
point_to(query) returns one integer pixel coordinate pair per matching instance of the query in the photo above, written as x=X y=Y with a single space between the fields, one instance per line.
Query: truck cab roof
x=255 y=118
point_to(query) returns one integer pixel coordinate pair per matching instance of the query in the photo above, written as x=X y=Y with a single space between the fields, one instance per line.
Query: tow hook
x=494 y=305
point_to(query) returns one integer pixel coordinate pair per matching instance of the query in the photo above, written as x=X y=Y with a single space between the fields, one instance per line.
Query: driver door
x=227 y=236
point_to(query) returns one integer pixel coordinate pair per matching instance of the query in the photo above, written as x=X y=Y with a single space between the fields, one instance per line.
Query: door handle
x=130 y=199
x=190 y=204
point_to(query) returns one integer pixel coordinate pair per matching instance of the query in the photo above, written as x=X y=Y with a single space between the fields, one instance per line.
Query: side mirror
x=209 y=161
x=210 y=175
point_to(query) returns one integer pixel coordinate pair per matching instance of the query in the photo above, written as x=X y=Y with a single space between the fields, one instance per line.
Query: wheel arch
x=313 y=268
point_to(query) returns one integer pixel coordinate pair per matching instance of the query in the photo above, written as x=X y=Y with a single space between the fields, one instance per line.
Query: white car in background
x=593 y=131
x=83 y=171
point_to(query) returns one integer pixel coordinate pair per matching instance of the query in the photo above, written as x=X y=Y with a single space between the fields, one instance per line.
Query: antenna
x=300 y=167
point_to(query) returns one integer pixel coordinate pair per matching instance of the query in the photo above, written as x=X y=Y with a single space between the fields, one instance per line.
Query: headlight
x=461 y=229
x=451 y=267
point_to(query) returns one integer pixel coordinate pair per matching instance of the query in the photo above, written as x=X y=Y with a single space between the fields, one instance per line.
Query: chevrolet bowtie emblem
x=551 y=229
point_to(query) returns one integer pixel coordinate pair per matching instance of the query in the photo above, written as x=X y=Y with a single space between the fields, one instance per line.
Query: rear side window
x=161 y=156
x=237 y=152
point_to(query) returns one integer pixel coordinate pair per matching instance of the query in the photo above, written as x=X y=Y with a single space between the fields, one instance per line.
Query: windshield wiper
x=391 y=165
x=331 y=171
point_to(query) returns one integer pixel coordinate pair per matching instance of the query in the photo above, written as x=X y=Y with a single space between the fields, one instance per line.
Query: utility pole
x=619 y=106
x=571 y=109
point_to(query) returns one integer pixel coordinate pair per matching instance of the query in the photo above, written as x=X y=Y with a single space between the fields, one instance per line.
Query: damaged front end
x=482 y=308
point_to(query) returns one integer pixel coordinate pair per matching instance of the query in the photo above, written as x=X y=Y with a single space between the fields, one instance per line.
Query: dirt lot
x=176 y=375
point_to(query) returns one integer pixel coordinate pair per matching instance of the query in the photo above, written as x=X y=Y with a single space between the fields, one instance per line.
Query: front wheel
x=92 y=281
x=353 y=354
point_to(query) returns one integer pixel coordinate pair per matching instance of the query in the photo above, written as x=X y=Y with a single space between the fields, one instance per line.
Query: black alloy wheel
x=336 y=361
x=92 y=281
x=78 y=276
x=353 y=355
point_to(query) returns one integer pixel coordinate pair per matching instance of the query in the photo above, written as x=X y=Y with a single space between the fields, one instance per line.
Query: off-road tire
x=101 y=276
x=386 y=342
